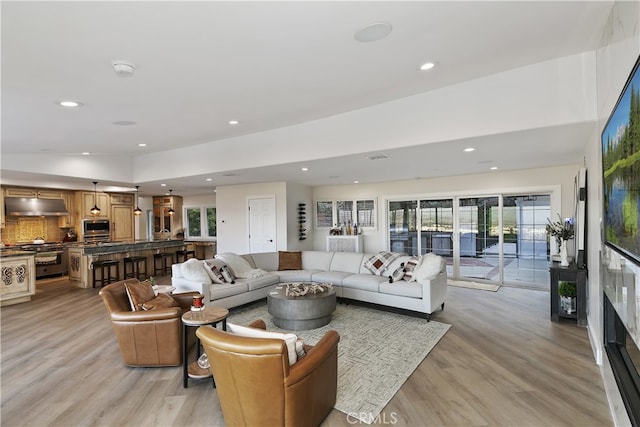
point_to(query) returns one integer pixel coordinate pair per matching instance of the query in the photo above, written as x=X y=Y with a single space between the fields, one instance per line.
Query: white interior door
x=262 y=225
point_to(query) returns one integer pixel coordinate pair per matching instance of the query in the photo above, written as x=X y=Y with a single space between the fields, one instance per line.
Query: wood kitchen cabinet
x=165 y=225
x=68 y=221
x=122 y=223
x=122 y=199
x=34 y=193
x=86 y=201
x=1 y=208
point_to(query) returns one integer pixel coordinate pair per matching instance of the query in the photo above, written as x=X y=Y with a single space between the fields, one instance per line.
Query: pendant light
x=95 y=210
x=171 y=211
x=137 y=211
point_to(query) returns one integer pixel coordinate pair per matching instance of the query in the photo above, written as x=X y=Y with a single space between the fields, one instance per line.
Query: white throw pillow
x=240 y=266
x=193 y=269
x=289 y=339
x=430 y=267
x=214 y=268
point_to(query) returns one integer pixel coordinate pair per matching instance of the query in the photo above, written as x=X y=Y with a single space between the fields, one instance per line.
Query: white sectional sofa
x=346 y=271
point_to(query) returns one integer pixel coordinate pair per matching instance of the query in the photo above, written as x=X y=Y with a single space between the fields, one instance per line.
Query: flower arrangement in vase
x=562 y=230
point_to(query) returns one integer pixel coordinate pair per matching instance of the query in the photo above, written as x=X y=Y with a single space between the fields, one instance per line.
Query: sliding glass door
x=498 y=239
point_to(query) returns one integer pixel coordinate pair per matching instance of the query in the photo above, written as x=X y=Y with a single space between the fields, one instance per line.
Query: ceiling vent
x=378 y=157
x=123 y=68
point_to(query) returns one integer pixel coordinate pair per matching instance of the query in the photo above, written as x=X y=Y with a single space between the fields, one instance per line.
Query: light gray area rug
x=378 y=351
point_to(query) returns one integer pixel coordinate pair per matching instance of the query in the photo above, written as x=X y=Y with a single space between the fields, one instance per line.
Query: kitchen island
x=18 y=273
x=82 y=256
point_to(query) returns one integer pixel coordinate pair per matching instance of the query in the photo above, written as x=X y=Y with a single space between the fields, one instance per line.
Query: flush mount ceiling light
x=373 y=32
x=123 y=68
x=95 y=210
x=233 y=122
x=209 y=180
x=85 y=153
x=69 y=103
x=142 y=145
x=137 y=211
x=469 y=149
x=493 y=168
x=304 y=169
x=427 y=66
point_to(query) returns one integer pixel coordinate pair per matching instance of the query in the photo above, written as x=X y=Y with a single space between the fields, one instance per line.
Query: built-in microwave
x=96 y=228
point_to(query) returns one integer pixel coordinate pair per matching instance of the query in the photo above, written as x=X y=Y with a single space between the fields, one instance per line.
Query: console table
x=569 y=274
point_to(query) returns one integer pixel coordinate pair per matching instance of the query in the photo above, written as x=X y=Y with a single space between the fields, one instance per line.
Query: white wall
x=233 y=217
x=614 y=61
x=529 y=180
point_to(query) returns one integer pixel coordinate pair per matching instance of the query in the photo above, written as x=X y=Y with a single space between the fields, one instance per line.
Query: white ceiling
x=269 y=65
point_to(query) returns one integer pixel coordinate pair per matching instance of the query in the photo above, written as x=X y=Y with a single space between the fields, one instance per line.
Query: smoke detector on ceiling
x=123 y=68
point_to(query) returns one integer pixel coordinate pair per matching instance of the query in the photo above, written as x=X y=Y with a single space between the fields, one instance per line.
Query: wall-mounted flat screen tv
x=621 y=171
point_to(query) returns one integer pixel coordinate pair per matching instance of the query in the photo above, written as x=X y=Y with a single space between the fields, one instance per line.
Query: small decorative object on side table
x=208 y=316
x=562 y=230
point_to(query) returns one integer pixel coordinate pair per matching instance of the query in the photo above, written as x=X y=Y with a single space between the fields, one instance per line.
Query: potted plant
x=568 y=294
x=562 y=230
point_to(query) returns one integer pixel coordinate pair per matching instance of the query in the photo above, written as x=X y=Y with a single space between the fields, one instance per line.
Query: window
x=335 y=213
x=200 y=222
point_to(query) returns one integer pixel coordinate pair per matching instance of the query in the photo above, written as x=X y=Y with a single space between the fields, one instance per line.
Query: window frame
x=354 y=212
x=204 y=222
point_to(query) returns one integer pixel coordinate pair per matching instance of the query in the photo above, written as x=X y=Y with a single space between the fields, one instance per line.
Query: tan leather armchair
x=256 y=385
x=146 y=338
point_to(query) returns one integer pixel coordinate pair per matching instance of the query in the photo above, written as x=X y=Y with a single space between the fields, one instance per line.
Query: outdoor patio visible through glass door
x=479 y=238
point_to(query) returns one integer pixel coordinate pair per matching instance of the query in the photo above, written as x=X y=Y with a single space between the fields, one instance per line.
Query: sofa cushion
x=267 y=261
x=295 y=275
x=265 y=280
x=365 y=282
x=160 y=301
x=214 y=268
x=193 y=269
x=238 y=265
x=402 y=288
x=331 y=277
x=227 y=290
x=316 y=260
x=349 y=262
x=378 y=263
x=289 y=339
x=139 y=293
x=289 y=260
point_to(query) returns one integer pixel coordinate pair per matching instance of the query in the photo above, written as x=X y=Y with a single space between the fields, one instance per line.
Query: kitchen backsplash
x=25 y=229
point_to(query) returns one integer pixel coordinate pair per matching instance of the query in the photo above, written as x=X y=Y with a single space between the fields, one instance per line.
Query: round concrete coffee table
x=301 y=313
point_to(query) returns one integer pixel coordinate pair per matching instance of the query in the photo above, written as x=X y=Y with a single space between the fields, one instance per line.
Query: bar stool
x=105 y=271
x=164 y=268
x=136 y=262
x=184 y=254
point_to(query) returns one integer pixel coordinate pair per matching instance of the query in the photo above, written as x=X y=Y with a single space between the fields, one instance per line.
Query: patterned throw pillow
x=214 y=269
x=228 y=274
x=379 y=262
x=397 y=275
x=161 y=301
x=410 y=267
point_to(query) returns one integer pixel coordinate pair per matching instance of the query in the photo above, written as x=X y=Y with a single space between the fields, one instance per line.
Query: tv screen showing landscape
x=621 y=171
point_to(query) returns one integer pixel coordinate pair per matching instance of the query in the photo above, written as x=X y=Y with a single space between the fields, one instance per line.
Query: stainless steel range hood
x=22 y=206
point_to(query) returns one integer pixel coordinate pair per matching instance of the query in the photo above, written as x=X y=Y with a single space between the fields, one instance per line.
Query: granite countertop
x=126 y=246
x=6 y=253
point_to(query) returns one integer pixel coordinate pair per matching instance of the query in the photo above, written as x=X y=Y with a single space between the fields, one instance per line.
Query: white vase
x=564 y=260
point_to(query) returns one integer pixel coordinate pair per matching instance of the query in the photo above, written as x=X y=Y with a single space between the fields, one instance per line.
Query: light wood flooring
x=503 y=363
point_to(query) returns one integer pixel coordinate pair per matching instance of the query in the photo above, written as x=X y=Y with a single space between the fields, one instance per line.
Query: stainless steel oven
x=96 y=230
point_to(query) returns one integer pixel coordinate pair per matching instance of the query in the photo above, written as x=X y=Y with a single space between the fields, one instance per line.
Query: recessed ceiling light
x=209 y=179
x=233 y=122
x=469 y=149
x=493 y=168
x=304 y=169
x=69 y=104
x=142 y=144
x=163 y=185
x=356 y=182
x=86 y=153
x=373 y=32
x=427 y=66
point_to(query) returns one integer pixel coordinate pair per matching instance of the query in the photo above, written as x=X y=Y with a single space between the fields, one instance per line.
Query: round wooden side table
x=209 y=316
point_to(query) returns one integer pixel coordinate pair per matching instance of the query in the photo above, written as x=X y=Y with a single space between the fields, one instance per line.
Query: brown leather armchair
x=146 y=338
x=256 y=385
